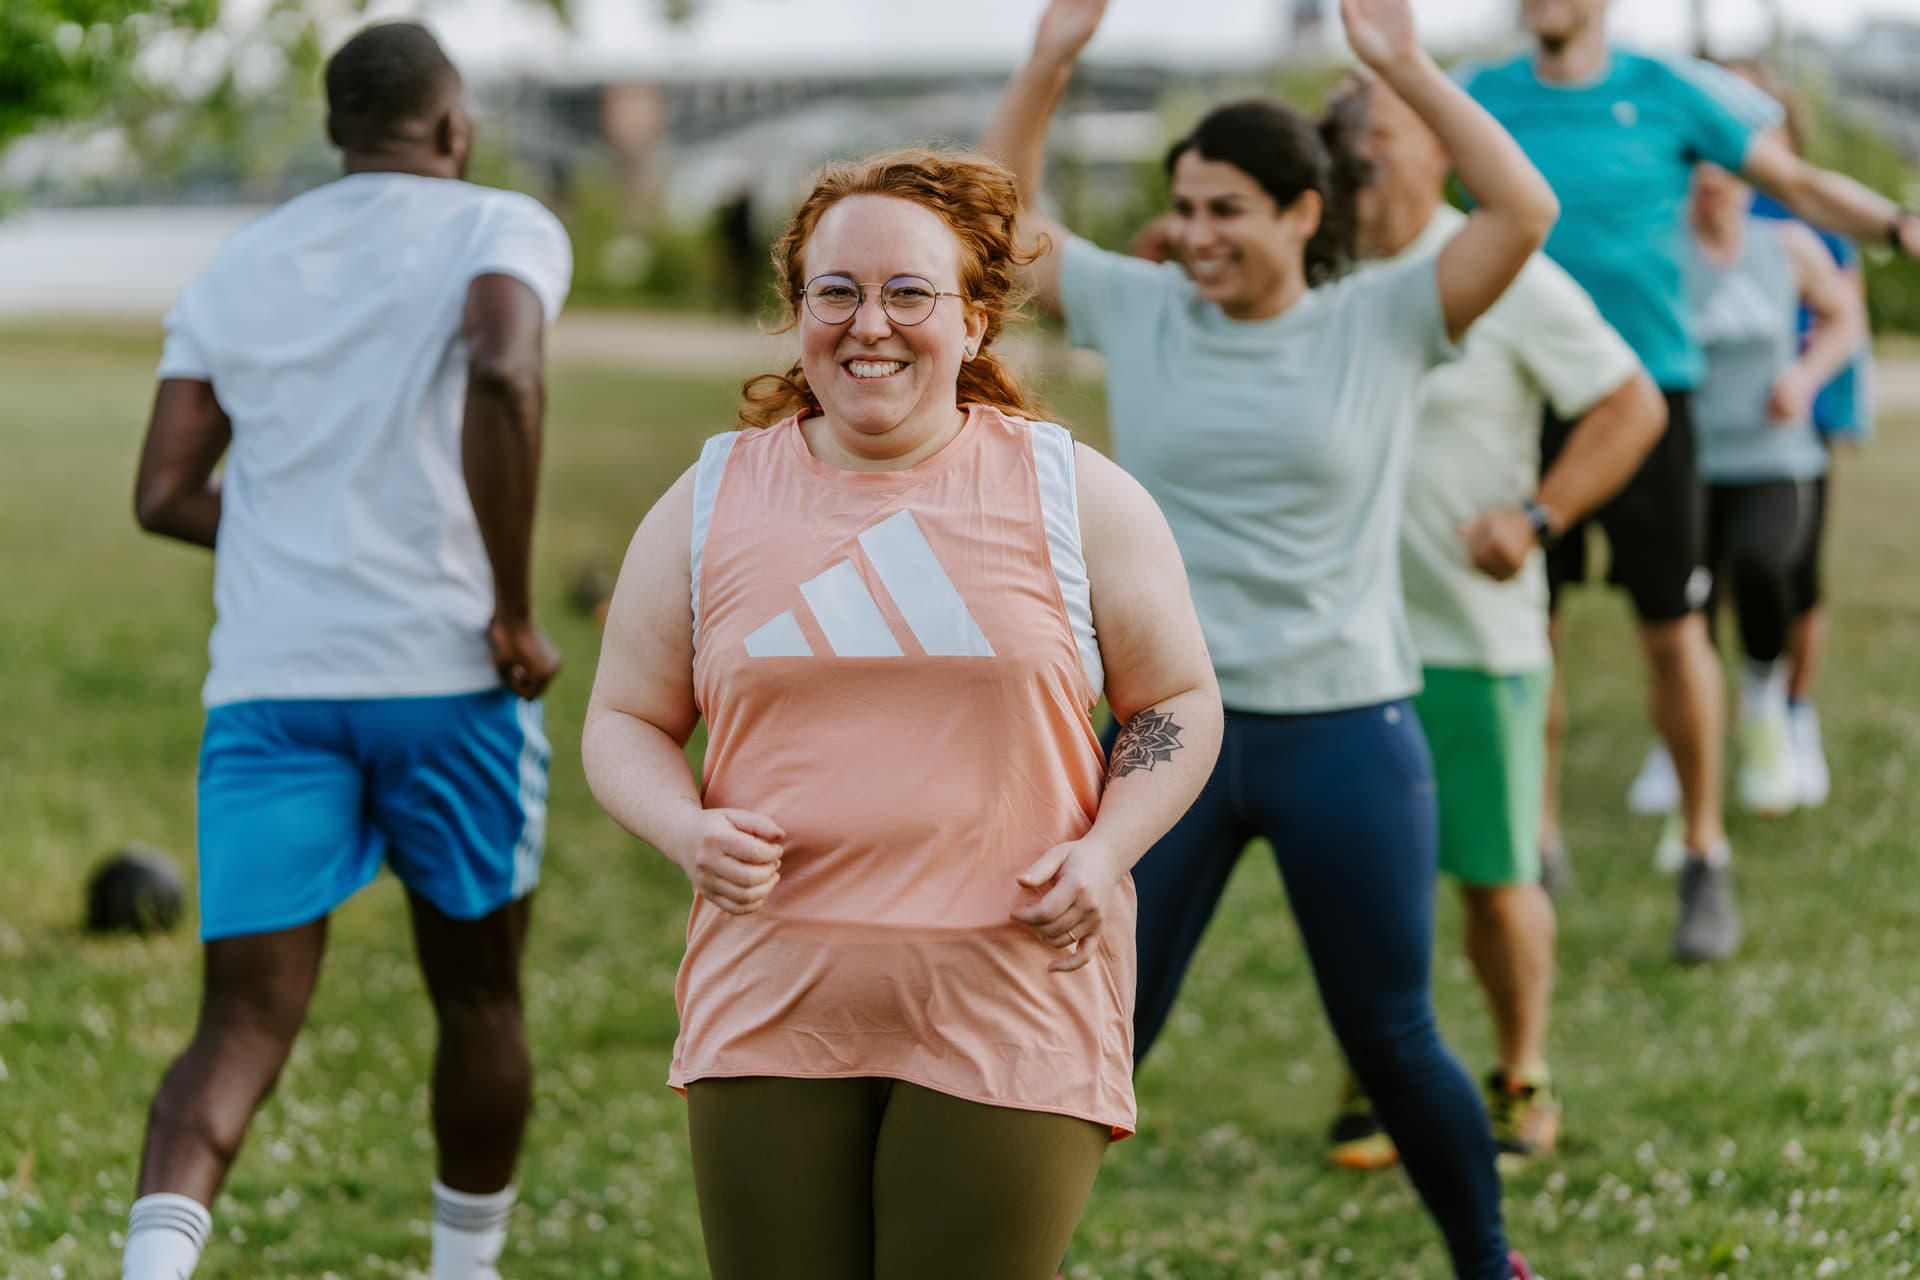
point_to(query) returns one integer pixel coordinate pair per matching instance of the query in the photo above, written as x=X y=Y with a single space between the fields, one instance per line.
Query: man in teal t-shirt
x=1617 y=136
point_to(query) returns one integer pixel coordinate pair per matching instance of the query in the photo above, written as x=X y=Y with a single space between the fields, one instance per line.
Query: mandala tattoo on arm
x=1148 y=739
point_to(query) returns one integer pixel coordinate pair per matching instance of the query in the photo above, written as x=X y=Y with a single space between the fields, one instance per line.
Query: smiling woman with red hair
x=895 y=598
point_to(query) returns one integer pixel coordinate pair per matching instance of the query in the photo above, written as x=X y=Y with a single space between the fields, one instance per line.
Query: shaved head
x=389 y=84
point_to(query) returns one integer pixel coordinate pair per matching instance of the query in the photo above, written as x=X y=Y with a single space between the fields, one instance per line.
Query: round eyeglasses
x=907 y=300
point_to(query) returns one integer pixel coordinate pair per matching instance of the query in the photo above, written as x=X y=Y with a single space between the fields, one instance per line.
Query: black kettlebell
x=136 y=889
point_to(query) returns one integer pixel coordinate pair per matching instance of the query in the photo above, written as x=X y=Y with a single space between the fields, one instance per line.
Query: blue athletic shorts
x=301 y=802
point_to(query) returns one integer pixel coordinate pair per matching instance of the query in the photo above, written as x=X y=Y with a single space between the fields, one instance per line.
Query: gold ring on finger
x=1072 y=936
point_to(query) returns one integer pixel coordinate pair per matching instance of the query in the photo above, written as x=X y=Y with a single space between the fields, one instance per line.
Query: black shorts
x=1655 y=526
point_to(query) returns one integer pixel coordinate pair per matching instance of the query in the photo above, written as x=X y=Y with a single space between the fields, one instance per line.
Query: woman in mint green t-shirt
x=1266 y=399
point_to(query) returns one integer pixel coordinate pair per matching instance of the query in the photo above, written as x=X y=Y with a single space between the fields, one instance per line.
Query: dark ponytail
x=1288 y=155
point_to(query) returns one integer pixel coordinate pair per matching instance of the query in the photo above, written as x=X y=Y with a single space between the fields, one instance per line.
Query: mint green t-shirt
x=1278 y=450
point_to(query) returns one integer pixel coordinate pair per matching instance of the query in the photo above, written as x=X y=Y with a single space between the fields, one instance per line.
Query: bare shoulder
x=1115 y=509
x=1103 y=480
x=670 y=521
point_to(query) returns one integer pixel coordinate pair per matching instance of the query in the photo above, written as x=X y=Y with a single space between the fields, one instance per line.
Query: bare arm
x=175 y=494
x=642 y=712
x=1825 y=198
x=504 y=327
x=1602 y=452
x=1514 y=207
x=1016 y=136
x=1840 y=325
x=1161 y=688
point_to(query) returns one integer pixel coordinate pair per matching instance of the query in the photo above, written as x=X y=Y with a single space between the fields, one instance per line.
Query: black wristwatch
x=1897 y=226
x=1542 y=519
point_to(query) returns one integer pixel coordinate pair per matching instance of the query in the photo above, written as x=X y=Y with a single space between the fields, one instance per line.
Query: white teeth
x=875 y=368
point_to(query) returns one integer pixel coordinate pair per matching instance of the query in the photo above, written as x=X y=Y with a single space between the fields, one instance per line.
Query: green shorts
x=1488 y=738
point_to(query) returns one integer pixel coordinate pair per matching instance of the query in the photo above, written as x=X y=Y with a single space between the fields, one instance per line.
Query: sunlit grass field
x=1757 y=1120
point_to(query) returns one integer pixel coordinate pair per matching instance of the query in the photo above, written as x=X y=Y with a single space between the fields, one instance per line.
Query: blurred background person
x=369 y=360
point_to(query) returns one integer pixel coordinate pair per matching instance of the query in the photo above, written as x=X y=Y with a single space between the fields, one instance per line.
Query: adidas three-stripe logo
x=850 y=618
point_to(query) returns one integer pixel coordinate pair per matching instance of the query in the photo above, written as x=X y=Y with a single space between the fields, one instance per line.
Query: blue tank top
x=1746 y=314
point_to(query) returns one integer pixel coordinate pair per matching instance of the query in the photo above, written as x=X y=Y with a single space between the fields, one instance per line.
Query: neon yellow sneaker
x=1525 y=1115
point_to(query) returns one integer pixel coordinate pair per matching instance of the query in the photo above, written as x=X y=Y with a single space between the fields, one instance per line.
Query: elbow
x=152 y=508
x=1540 y=215
x=504 y=375
x=1650 y=411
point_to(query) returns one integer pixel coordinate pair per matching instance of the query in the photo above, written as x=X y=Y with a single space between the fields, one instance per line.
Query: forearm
x=640 y=776
x=1491 y=166
x=1832 y=345
x=1603 y=451
x=1839 y=203
x=191 y=517
x=1160 y=761
x=1016 y=136
x=500 y=453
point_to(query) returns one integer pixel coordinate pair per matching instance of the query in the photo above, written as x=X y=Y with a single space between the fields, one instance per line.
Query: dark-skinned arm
x=504 y=327
x=175 y=494
x=1602 y=452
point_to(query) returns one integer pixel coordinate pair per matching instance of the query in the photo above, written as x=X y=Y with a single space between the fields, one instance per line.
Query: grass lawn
x=1758 y=1120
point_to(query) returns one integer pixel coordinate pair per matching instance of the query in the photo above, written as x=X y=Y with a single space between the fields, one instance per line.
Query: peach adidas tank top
x=899 y=669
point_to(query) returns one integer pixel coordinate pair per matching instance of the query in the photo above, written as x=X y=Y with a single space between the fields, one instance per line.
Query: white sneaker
x=1670 y=851
x=1656 y=790
x=1809 y=755
x=1768 y=784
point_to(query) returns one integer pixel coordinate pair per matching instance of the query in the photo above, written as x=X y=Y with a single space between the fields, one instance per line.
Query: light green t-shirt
x=1278 y=450
x=1478 y=446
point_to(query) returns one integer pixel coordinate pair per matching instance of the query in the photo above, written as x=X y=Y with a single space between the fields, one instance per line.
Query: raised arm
x=1161 y=689
x=642 y=712
x=1017 y=134
x=504 y=326
x=1839 y=325
x=1828 y=199
x=1514 y=207
x=175 y=494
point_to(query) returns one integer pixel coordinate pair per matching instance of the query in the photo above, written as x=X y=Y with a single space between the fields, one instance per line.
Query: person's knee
x=1670 y=643
x=1515 y=909
x=255 y=1016
x=1755 y=573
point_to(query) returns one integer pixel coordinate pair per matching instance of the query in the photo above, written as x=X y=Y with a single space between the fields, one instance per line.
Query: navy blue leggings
x=1346 y=799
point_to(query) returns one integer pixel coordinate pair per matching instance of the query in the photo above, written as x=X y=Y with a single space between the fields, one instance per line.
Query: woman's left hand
x=1075 y=882
x=1380 y=31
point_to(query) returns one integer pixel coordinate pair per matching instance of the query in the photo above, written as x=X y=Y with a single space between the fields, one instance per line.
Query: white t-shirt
x=1278 y=450
x=1478 y=447
x=349 y=562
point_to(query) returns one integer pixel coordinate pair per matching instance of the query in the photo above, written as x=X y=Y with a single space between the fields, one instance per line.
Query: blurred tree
x=69 y=59
x=1853 y=141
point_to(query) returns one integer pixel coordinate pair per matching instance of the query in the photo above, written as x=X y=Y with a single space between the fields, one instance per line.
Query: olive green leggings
x=850 y=1179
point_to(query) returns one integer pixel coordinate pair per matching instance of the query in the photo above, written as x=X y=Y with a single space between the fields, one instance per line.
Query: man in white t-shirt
x=369 y=360
x=1478 y=512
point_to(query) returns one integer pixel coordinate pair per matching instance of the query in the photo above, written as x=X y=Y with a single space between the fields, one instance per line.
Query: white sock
x=165 y=1234
x=468 y=1232
x=1763 y=689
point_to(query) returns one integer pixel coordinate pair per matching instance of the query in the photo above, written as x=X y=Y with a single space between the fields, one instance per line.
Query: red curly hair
x=979 y=201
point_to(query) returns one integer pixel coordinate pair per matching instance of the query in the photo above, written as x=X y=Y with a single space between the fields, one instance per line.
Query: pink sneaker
x=1519 y=1264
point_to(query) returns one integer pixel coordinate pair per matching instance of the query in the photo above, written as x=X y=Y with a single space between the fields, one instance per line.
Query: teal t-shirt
x=1619 y=151
x=1278 y=450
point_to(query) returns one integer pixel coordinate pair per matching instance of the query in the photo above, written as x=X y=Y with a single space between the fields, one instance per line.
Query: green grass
x=1762 y=1119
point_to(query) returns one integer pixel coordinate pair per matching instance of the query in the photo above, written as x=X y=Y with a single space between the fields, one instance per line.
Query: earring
x=970 y=353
